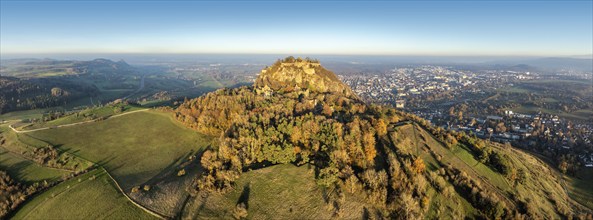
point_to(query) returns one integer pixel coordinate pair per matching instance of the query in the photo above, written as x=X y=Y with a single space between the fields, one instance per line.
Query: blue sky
x=499 y=28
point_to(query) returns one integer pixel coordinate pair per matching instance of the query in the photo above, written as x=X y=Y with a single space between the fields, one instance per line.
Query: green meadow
x=135 y=148
x=276 y=192
x=89 y=196
x=26 y=171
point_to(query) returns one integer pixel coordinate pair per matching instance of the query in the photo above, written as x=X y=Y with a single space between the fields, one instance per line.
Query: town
x=465 y=100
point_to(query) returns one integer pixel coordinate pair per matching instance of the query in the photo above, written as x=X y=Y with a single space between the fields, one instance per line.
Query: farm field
x=548 y=92
x=128 y=146
x=582 y=114
x=89 y=196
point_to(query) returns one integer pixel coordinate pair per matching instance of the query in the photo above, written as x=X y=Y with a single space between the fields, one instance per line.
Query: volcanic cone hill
x=365 y=160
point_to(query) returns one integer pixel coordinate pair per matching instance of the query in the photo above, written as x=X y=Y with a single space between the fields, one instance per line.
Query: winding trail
x=146 y=209
x=73 y=124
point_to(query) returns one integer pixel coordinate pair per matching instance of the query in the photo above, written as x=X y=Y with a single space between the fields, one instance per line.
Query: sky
x=435 y=28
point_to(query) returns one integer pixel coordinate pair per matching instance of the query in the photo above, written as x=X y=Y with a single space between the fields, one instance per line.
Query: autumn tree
x=369 y=146
x=295 y=136
x=418 y=165
x=563 y=166
x=381 y=127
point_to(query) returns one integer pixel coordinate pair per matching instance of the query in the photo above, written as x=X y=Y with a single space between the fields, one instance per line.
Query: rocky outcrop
x=293 y=74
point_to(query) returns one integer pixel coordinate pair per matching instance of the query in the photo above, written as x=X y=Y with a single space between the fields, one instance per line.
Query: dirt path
x=73 y=124
x=131 y=200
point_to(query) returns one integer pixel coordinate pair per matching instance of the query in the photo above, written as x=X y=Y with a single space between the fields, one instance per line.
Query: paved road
x=72 y=124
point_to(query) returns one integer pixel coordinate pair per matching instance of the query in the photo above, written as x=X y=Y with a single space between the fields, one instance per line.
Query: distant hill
x=564 y=63
x=48 y=67
x=395 y=165
x=517 y=67
x=103 y=66
x=586 y=56
x=41 y=83
x=548 y=64
x=38 y=93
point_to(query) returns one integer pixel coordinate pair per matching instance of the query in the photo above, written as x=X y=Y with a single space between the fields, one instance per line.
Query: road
x=140 y=87
x=73 y=124
x=137 y=90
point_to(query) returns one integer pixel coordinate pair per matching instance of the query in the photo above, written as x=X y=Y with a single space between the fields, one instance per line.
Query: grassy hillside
x=541 y=193
x=135 y=148
x=25 y=114
x=26 y=171
x=581 y=187
x=90 y=196
x=458 y=156
x=84 y=115
x=277 y=192
x=24 y=147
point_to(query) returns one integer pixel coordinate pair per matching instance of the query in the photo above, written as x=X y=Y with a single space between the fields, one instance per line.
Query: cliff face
x=301 y=74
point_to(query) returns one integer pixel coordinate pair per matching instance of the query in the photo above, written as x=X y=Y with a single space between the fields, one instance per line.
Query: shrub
x=418 y=165
x=181 y=172
x=240 y=211
x=327 y=176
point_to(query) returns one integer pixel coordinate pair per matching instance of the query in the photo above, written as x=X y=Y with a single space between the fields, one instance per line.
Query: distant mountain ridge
x=547 y=64
x=104 y=66
x=50 y=67
x=585 y=64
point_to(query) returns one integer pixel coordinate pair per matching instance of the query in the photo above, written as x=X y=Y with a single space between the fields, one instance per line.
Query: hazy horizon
x=147 y=58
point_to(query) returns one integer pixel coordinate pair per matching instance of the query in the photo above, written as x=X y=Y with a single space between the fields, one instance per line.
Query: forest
x=348 y=143
x=23 y=94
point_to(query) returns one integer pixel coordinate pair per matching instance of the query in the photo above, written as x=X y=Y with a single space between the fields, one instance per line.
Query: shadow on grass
x=17 y=171
x=170 y=170
x=244 y=198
